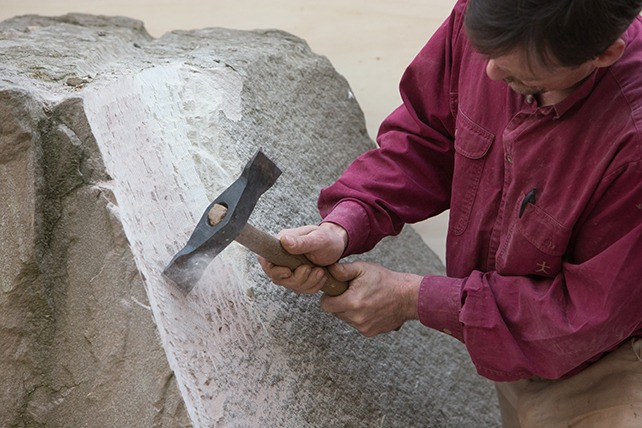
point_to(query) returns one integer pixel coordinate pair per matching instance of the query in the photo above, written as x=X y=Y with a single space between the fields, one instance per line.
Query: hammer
x=225 y=220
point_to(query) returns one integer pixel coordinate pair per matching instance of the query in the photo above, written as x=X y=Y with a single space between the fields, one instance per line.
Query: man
x=525 y=119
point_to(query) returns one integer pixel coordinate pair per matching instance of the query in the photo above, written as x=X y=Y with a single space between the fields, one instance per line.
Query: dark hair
x=553 y=32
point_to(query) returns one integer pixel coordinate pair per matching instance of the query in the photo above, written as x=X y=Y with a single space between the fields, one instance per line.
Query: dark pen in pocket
x=528 y=199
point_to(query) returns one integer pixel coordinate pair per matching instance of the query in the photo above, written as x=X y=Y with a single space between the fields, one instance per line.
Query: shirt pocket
x=472 y=143
x=534 y=244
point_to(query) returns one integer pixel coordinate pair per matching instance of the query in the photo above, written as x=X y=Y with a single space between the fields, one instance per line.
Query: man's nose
x=494 y=72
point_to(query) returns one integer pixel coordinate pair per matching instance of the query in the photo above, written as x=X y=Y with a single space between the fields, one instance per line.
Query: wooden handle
x=270 y=248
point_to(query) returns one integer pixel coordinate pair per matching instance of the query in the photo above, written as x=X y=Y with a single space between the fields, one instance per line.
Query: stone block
x=112 y=144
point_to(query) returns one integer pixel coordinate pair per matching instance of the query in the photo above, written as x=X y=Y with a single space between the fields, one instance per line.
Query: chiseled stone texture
x=111 y=146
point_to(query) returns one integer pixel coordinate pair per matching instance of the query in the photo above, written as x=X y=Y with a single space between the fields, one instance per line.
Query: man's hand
x=377 y=301
x=323 y=245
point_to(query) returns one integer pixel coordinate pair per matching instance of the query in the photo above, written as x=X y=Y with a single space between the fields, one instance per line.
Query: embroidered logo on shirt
x=543 y=268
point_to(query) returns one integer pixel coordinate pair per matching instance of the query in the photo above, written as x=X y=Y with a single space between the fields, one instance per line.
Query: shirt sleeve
x=408 y=177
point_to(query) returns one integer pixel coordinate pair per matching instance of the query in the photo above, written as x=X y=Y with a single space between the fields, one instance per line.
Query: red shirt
x=544 y=245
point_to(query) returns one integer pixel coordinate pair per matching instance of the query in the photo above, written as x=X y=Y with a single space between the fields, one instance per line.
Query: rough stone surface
x=111 y=146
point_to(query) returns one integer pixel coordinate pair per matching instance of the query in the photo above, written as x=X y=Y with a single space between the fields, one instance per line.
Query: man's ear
x=610 y=55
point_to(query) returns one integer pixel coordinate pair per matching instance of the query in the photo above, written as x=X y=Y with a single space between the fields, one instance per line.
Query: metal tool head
x=207 y=241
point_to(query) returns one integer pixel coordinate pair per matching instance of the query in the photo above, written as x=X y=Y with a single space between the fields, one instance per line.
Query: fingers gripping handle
x=270 y=248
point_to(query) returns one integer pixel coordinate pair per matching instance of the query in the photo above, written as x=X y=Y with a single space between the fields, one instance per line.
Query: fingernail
x=287 y=240
x=285 y=276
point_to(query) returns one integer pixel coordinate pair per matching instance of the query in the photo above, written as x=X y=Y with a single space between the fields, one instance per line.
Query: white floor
x=368 y=41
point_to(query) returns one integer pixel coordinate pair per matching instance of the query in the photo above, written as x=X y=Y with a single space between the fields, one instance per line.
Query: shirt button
x=447 y=331
x=509 y=158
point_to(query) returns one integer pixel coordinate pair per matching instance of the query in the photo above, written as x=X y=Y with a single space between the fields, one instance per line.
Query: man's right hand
x=323 y=245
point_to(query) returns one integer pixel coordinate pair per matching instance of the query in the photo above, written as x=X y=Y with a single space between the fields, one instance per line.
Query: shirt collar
x=558 y=110
x=580 y=93
x=585 y=88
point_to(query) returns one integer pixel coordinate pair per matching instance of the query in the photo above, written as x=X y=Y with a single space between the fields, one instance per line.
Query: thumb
x=295 y=244
x=345 y=271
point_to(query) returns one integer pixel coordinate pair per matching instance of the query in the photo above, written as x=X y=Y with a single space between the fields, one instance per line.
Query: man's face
x=532 y=78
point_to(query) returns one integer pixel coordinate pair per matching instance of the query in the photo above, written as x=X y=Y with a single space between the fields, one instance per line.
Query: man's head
x=546 y=47
x=564 y=33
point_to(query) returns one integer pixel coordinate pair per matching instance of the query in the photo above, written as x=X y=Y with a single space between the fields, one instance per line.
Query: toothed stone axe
x=225 y=220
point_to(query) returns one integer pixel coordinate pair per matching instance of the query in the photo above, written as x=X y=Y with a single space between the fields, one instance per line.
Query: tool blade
x=207 y=241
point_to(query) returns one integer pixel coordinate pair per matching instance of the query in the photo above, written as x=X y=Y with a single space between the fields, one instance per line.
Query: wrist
x=409 y=286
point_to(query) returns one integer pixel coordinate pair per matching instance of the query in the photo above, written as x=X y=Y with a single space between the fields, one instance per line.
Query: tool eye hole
x=217 y=214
